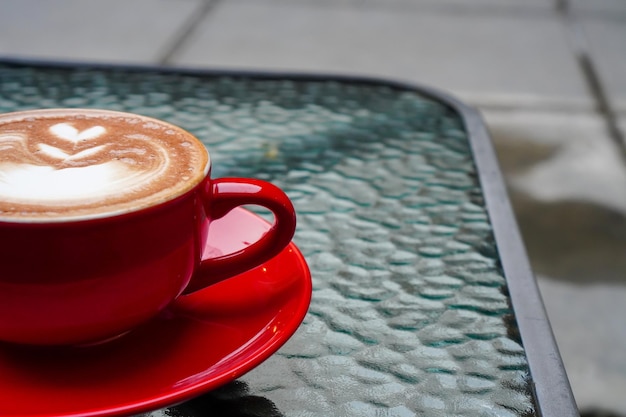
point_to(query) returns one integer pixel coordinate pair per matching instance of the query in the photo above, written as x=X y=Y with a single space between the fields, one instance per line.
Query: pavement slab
x=567 y=184
x=481 y=6
x=594 y=358
x=607 y=47
x=584 y=164
x=106 y=31
x=600 y=8
x=465 y=5
x=501 y=54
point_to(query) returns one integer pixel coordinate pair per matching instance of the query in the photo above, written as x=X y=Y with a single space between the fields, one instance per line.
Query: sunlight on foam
x=24 y=183
x=76 y=167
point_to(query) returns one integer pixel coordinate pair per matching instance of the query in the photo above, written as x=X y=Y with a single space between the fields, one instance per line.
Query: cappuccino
x=75 y=164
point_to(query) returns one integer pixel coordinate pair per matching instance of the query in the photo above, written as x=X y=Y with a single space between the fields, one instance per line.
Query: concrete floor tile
x=621 y=122
x=113 y=30
x=502 y=55
x=466 y=5
x=560 y=157
x=588 y=326
x=483 y=6
x=607 y=44
x=567 y=184
x=599 y=7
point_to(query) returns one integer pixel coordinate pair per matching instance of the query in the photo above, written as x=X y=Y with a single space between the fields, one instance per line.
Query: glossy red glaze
x=86 y=281
x=227 y=193
x=204 y=340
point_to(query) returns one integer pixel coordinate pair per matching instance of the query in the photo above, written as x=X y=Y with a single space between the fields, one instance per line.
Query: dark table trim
x=551 y=388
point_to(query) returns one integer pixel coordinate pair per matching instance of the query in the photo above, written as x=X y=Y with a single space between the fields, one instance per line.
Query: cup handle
x=220 y=197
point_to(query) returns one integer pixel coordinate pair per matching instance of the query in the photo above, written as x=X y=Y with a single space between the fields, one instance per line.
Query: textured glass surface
x=410 y=314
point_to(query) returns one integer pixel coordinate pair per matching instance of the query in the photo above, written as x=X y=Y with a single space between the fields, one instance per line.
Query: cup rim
x=51 y=112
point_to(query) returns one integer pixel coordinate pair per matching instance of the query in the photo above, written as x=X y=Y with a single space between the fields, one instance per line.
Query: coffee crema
x=74 y=164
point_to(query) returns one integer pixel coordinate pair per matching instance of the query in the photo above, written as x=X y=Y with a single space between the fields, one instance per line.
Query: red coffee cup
x=87 y=280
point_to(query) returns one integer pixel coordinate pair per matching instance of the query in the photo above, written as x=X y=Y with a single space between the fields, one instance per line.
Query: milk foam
x=70 y=133
x=62 y=164
x=35 y=184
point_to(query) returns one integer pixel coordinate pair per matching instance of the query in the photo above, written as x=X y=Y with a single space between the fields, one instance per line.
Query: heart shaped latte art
x=78 y=163
x=71 y=134
x=55 y=152
x=84 y=165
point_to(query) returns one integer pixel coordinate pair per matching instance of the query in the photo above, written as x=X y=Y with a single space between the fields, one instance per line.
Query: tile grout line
x=590 y=74
x=187 y=30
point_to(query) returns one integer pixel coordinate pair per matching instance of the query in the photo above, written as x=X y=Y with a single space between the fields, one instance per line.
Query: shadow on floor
x=575 y=241
x=578 y=242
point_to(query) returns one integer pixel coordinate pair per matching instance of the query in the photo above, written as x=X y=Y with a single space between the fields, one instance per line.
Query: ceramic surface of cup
x=103 y=217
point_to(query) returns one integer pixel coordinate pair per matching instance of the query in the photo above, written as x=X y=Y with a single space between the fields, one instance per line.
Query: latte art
x=61 y=164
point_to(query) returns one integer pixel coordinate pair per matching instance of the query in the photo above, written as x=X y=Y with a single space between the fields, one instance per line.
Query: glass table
x=423 y=302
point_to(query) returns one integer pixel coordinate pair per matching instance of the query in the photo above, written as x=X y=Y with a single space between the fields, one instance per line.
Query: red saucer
x=205 y=340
